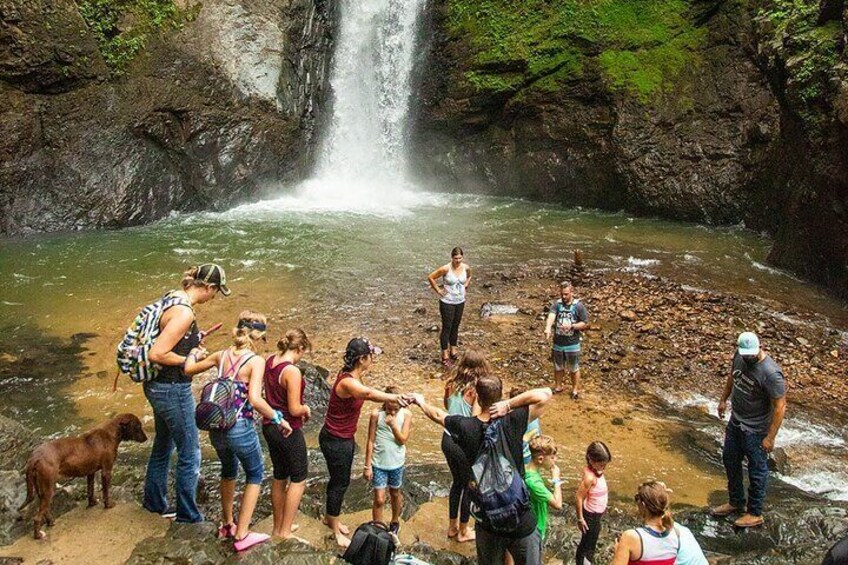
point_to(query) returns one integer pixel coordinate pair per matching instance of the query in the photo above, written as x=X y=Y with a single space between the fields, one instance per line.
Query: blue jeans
x=740 y=444
x=239 y=444
x=173 y=414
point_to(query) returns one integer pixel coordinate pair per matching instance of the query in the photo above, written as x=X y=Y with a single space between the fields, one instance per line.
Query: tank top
x=241 y=401
x=598 y=496
x=455 y=287
x=457 y=406
x=174 y=373
x=342 y=413
x=657 y=548
x=276 y=394
x=388 y=453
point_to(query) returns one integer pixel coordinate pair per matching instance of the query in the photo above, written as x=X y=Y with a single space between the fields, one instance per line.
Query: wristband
x=278 y=418
x=556 y=482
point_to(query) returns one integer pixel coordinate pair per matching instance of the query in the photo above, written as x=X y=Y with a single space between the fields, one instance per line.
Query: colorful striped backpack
x=217 y=407
x=133 y=355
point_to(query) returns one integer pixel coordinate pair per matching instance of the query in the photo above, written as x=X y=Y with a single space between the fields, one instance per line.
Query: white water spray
x=362 y=163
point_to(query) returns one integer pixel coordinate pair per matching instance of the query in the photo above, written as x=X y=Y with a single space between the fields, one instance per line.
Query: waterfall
x=363 y=157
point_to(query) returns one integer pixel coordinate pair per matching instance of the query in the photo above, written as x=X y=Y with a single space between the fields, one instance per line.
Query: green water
x=65 y=299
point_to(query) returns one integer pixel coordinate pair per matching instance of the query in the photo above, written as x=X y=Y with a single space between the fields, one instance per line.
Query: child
x=388 y=431
x=533 y=427
x=592 y=495
x=543 y=452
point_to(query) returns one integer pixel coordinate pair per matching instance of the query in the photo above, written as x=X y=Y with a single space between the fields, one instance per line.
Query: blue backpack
x=500 y=496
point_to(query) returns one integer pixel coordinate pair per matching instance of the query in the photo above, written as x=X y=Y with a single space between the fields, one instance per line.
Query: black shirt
x=174 y=373
x=468 y=432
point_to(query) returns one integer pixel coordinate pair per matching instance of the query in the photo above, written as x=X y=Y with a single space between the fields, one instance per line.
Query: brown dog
x=77 y=457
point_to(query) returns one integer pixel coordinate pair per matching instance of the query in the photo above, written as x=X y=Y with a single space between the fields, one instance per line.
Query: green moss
x=123 y=27
x=641 y=46
x=810 y=54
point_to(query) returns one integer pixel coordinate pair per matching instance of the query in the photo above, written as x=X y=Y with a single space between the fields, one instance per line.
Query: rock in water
x=490 y=309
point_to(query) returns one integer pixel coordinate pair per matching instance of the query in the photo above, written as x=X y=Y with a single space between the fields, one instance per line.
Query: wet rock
x=420 y=310
x=290 y=552
x=434 y=556
x=779 y=461
x=491 y=309
x=617 y=421
x=194 y=544
x=317 y=392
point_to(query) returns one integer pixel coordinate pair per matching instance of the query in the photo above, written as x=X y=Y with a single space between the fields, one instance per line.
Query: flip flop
x=575 y=396
x=226 y=531
x=558 y=390
x=250 y=540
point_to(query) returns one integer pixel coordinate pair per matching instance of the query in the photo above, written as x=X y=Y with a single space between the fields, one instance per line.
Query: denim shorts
x=239 y=444
x=566 y=360
x=382 y=477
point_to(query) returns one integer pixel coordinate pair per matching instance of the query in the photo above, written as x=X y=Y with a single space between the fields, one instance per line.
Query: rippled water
x=67 y=298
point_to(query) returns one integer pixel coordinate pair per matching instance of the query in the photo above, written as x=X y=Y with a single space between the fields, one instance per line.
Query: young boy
x=543 y=453
x=385 y=456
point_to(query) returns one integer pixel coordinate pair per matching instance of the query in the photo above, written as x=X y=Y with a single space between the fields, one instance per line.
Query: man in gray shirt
x=757 y=393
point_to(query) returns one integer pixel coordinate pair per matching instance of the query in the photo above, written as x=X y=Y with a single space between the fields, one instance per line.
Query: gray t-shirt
x=754 y=388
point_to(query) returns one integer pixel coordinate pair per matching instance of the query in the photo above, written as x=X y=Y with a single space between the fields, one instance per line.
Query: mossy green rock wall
x=688 y=109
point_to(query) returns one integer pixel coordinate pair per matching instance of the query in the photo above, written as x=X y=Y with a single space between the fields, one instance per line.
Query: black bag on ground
x=371 y=544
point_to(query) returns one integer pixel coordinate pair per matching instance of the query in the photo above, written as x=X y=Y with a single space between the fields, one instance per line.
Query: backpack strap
x=356 y=543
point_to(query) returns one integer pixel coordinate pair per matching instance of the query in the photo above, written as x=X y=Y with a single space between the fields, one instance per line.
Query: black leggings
x=451 y=317
x=459 y=500
x=339 y=455
x=589 y=540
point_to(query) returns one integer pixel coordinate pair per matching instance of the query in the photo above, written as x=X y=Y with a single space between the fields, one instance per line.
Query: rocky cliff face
x=721 y=112
x=202 y=117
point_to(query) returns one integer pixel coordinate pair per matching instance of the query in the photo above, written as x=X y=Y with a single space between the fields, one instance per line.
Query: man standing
x=524 y=542
x=568 y=318
x=757 y=395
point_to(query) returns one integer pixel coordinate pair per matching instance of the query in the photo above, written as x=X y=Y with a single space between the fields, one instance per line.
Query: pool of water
x=67 y=298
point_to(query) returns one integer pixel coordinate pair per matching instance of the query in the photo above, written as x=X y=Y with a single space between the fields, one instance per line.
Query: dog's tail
x=30 y=484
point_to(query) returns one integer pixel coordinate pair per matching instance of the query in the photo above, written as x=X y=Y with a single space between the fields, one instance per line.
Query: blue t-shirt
x=690 y=551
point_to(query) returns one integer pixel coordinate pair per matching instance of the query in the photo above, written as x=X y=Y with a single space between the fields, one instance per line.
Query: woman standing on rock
x=169 y=394
x=240 y=444
x=284 y=388
x=455 y=276
x=461 y=399
x=336 y=436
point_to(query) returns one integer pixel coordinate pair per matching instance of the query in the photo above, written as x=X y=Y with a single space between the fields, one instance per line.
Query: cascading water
x=363 y=159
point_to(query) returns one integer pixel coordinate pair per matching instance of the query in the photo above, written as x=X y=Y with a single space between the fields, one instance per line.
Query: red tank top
x=275 y=393
x=342 y=413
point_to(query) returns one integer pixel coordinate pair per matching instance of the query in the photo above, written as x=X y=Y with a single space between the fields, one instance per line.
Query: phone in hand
x=211 y=330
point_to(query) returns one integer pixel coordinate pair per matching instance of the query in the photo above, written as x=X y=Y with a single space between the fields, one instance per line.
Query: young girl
x=284 y=387
x=461 y=399
x=385 y=455
x=592 y=496
x=240 y=444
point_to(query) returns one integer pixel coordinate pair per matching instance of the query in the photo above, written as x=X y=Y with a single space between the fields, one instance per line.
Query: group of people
x=271 y=389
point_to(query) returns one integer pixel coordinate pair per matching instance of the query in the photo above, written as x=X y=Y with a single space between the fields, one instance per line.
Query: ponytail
x=189 y=278
x=667 y=520
x=249 y=329
x=654 y=501
x=294 y=339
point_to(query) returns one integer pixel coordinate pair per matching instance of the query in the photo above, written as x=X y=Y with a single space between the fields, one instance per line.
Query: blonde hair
x=542 y=445
x=244 y=336
x=472 y=365
x=653 y=499
x=190 y=279
x=294 y=339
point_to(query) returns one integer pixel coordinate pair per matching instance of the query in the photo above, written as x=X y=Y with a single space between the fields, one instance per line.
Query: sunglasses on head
x=252 y=324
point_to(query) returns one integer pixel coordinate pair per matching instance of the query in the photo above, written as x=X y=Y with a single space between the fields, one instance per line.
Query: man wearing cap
x=757 y=394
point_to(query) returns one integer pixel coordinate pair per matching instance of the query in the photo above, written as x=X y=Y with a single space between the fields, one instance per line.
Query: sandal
x=575 y=395
x=558 y=390
x=250 y=540
x=227 y=531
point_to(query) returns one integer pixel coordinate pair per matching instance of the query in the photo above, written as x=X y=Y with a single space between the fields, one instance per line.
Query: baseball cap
x=748 y=343
x=359 y=346
x=213 y=274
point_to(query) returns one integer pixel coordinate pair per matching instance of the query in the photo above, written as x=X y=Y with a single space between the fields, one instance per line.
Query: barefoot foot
x=468 y=535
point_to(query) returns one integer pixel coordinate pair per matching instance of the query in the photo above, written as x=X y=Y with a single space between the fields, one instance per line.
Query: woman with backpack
x=169 y=394
x=284 y=388
x=347 y=396
x=240 y=442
